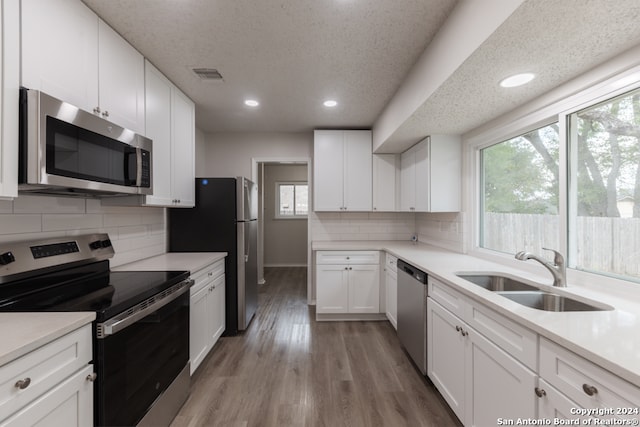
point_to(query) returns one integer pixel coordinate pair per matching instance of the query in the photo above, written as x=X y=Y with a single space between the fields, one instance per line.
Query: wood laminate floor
x=289 y=370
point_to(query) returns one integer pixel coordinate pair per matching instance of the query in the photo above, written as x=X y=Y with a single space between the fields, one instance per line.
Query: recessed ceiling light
x=330 y=103
x=251 y=103
x=517 y=80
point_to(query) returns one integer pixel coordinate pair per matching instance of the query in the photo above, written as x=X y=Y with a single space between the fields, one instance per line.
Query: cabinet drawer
x=204 y=276
x=44 y=368
x=447 y=297
x=391 y=263
x=520 y=342
x=347 y=257
x=576 y=377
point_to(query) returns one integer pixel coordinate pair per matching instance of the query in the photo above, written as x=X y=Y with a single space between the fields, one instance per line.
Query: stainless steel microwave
x=67 y=151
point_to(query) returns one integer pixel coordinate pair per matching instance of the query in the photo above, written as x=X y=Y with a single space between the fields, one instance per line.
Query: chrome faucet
x=557 y=268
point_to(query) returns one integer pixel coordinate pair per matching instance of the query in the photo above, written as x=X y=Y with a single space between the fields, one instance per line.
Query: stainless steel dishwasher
x=412 y=313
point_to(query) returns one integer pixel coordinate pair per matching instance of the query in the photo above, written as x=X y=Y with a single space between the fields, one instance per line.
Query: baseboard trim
x=286 y=265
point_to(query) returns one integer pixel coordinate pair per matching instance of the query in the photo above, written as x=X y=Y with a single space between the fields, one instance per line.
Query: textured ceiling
x=556 y=40
x=288 y=54
x=293 y=54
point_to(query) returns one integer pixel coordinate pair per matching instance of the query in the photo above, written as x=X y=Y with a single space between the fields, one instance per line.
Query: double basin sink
x=526 y=294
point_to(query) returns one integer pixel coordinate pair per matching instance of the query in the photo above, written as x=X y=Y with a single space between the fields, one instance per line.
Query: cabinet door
x=408 y=181
x=391 y=283
x=445 y=170
x=446 y=356
x=498 y=385
x=121 y=82
x=183 y=149
x=60 y=50
x=217 y=309
x=199 y=327
x=158 y=128
x=364 y=289
x=422 y=181
x=328 y=174
x=332 y=293
x=357 y=170
x=69 y=404
x=384 y=182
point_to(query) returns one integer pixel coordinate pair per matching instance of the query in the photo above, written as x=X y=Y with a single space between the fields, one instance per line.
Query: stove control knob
x=95 y=245
x=106 y=243
x=7 y=258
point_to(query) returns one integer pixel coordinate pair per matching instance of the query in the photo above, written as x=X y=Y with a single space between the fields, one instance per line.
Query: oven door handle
x=146 y=307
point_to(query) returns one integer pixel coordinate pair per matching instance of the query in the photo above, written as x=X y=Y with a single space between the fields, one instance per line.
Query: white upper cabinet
x=69 y=53
x=9 y=84
x=170 y=122
x=158 y=123
x=121 y=82
x=385 y=182
x=183 y=149
x=430 y=175
x=342 y=170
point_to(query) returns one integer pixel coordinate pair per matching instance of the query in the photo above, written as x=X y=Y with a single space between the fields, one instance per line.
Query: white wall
x=285 y=240
x=230 y=154
x=135 y=232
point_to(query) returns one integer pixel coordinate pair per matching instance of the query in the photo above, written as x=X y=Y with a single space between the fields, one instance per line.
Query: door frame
x=257 y=176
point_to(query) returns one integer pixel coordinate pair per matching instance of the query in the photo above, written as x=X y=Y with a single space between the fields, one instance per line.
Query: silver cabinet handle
x=589 y=389
x=92 y=377
x=96 y=110
x=464 y=333
x=540 y=392
x=105 y=114
x=458 y=328
x=22 y=384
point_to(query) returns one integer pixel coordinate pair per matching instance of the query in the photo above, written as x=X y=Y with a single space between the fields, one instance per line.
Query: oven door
x=138 y=360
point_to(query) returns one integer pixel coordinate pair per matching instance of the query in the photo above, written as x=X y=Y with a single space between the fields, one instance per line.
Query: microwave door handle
x=127 y=163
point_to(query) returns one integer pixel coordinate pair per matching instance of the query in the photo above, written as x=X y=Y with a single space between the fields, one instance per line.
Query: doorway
x=283 y=203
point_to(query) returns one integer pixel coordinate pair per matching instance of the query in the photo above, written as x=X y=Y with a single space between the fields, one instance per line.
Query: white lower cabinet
x=572 y=379
x=207 y=312
x=493 y=371
x=391 y=289
x=552 y=404
x=480 y=381
x=347 y=282
x=50 y=386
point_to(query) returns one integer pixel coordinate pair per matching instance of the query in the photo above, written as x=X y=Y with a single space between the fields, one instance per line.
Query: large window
x=604 y=200
x=519 y=207
x=292 y=200
x=595 y=220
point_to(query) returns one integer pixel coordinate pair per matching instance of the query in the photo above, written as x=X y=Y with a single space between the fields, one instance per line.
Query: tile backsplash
x=330 y=226
x=136 y=232
x=445 y=230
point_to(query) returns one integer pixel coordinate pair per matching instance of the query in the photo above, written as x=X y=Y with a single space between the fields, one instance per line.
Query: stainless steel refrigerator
x=225 y=219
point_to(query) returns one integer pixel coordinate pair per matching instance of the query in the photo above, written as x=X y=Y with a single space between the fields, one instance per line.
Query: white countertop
x=24 y=332
x=191 y=261
x=610 y=339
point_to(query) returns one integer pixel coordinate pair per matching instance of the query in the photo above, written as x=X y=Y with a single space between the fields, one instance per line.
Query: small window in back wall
x=292 y=200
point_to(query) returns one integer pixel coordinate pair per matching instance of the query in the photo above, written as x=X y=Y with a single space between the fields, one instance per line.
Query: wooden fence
x=613 y=243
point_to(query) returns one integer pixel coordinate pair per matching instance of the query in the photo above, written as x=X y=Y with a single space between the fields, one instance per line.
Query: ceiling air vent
x=208 y=74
